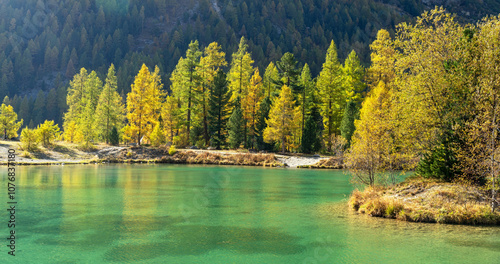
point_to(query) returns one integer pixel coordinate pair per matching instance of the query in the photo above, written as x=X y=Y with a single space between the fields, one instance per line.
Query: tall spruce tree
x=235 y=127
x=218 y=112
x=185 y=79
x=210 y=63
x=311 y=141
x=351 y=113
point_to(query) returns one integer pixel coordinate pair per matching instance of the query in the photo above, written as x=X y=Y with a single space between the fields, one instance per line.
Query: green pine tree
x=351 y=113
x=235 y=127
x=218 y=109
x=311 y=141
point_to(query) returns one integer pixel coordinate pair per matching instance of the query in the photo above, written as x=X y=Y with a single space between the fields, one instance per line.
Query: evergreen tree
x=24 y=108
x=219 y=110
x=311 y=139
x=235 y=127
x=185 y=79
x=39 y=108
x=288 y=72
x=210 y=63
x=114 y=138
x=51 y=106
x=347 y=125
x=306 y=95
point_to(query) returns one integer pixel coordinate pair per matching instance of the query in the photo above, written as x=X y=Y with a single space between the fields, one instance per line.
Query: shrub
x=26 y=154
x=172 y=150
x=47 y=132
x=440 y=163
x=29 y=139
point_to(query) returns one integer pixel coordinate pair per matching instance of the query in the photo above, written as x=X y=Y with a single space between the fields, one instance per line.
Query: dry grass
x=426 y=201
x=248 y=159
x=336 y=162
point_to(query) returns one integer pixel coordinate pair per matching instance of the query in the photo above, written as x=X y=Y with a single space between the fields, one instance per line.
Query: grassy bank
x=69 y=153
x=420 y=200
x=191 y=157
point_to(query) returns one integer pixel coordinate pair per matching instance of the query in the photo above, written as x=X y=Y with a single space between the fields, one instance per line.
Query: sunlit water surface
x=210 y=214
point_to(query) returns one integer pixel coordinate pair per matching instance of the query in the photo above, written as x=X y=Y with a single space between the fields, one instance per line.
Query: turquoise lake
x=214 y=214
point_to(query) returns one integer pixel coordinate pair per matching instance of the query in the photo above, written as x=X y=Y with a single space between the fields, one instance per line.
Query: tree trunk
x=492 y=156
x=329 y=139
x=189 y=116
x=205 y=123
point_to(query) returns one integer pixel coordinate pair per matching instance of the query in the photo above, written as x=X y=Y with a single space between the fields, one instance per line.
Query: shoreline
x=67 y=153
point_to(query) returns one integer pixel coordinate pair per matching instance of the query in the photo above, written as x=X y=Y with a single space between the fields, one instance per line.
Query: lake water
x=211 y=214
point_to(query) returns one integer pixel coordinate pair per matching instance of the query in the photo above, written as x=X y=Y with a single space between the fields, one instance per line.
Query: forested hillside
x=44 y=43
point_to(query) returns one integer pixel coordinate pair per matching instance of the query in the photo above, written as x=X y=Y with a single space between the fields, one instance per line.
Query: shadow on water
x=490 y=245
x=200 y=239
x=173 y=239
x=99 y=230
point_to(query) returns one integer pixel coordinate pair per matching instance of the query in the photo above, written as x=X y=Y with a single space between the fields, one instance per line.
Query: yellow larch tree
x=8 y=122
x=240 y=71
x=382 y=60
x=143 y=105
x=332 y=98
x=251 y=103
x=280 y=124
x=371 y=149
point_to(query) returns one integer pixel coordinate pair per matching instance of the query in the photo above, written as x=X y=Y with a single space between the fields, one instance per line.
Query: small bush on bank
x=29 y=139
x=172 y=150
